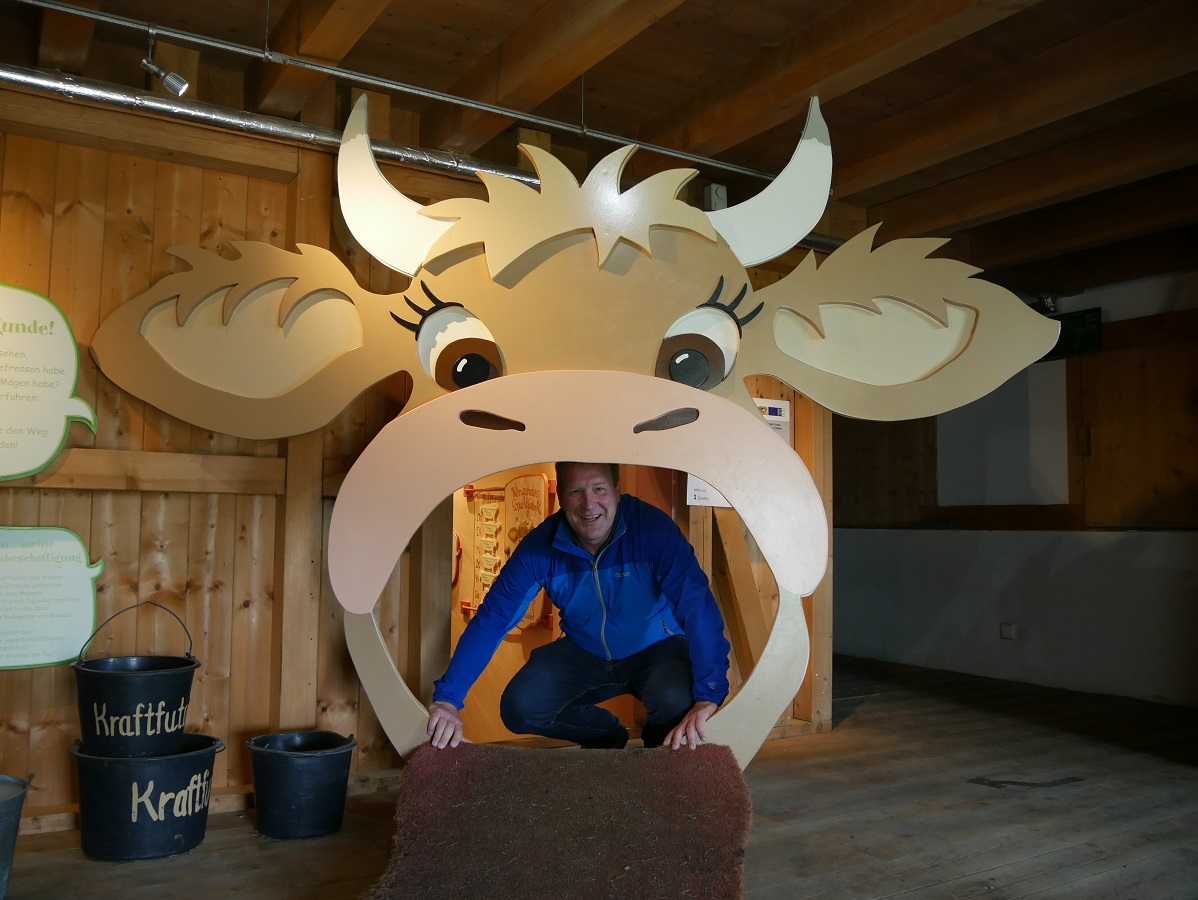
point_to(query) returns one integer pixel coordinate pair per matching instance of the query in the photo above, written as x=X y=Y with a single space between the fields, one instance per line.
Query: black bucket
x=12 y=798
x=134 y=706
x=300 y=782
x=145 y=807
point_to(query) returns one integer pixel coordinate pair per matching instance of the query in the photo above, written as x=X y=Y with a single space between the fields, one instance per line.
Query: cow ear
x=888 y=333
x=266 y=345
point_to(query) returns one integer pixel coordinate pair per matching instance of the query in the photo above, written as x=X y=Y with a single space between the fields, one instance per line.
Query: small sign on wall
x=39 y=366
x=700 y=493
x=777 y=414
x=47 y=596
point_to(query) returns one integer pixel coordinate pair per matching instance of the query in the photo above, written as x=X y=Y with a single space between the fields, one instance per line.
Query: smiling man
x=637 y=617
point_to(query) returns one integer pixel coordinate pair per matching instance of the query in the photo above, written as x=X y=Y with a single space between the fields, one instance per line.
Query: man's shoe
x=613 y=740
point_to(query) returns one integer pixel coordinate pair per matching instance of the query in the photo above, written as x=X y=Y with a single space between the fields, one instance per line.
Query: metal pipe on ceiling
x=365 y=80
x=74 y=88
x=70 y=87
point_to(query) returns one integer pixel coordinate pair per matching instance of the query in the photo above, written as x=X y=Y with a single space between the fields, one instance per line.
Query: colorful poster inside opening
x=39 y=367
x=47 y=596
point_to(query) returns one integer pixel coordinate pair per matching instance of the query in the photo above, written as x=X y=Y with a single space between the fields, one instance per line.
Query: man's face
x=589 y=501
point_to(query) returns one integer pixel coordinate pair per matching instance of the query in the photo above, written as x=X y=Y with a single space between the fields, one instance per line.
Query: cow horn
x=767 y=225
x=382 y=219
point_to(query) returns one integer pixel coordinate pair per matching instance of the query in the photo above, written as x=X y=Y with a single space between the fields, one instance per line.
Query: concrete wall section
x=1103 y=612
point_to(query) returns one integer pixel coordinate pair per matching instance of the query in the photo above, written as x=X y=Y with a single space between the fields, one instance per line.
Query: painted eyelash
x=730 y=307
x=425 y=313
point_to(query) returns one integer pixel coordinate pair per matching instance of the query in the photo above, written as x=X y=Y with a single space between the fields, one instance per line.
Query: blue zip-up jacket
x=643 y=586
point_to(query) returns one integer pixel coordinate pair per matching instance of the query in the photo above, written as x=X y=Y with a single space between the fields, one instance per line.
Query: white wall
x=1106 y=612
x=1009 y=447
x=1132 y=299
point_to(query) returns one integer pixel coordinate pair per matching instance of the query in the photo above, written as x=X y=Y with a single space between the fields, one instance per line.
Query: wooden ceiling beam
x=1145 y=208
x=139 y=134
x=1158 y=254
x=838 y=53
x=1137 y=51
x=65 y=38
x=551 y=48
x=1142 y=148
x=323 y=31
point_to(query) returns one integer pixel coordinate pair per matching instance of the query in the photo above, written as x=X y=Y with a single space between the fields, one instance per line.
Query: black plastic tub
x=300 y=782
x=145 y=807
x=12 y=798
x=134 y=706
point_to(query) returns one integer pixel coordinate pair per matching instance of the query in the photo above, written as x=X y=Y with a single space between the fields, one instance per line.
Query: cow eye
x=456 y=349
x=699 y=349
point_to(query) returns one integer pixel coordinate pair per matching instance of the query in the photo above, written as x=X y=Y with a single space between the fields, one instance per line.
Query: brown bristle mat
x=497 y=822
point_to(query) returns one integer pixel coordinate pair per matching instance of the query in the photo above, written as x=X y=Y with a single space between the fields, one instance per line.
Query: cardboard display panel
x=580 y=321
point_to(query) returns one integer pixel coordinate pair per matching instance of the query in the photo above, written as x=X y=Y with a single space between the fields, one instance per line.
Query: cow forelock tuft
x=516 y=218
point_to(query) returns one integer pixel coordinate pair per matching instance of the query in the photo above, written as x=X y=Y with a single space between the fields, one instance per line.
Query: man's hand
x=693 y=728
x=444 y=725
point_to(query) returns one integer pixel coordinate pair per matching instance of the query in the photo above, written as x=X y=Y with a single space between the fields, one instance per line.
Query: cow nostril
x=675 y=418
x=477 y=418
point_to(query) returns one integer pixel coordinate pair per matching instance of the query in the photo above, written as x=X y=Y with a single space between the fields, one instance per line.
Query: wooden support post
x=743 y=609
x=811 y=437
x=430 y=601
x=812 y=711
x=699 y=534
x=299 y=547
x=298 y=553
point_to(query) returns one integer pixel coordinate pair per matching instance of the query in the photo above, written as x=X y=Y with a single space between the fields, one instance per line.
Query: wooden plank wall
x=1132 y=432
x=1138 y=423
x=89 y=228
x=811 y=436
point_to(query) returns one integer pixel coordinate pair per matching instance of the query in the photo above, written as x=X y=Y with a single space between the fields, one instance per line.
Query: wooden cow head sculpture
x=573 y=322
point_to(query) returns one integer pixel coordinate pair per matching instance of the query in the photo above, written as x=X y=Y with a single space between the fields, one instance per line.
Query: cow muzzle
x=426 y=454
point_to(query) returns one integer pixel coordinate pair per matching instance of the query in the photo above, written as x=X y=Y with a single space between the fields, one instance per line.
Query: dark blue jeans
x=555 y=693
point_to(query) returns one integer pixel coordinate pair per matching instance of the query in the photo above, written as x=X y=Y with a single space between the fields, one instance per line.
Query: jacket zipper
x=666 y=628
x=599 y=589
x=602 y=603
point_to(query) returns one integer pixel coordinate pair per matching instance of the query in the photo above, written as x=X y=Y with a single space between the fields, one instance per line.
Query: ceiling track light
x=172 y=81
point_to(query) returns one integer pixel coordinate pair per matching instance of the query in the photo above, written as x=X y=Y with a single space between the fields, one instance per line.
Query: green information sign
x=39 y=367
x=47 y=596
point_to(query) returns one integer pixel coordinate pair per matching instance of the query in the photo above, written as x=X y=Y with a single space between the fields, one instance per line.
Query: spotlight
x=173 y=82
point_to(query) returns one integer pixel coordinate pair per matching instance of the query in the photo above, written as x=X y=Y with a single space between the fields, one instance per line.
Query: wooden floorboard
x=930 y=785
x=908 y=795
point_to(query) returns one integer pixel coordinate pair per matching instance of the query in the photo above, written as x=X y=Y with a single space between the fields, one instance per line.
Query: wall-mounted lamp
x=172 y=81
